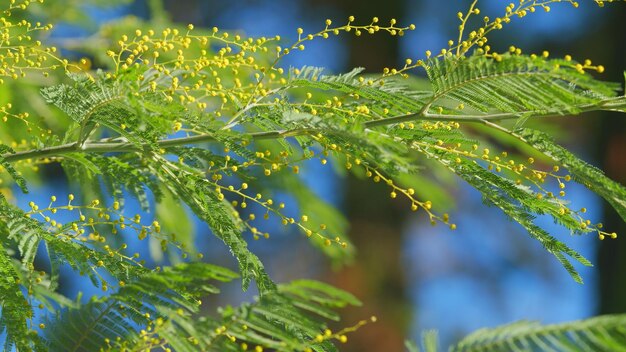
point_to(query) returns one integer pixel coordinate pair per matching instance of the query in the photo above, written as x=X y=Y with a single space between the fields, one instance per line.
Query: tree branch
x=111 y=147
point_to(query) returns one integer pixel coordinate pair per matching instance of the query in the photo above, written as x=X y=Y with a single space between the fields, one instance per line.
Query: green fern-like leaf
x=604 y=333
x=17 y=177
x=286 y=320
x=99 y=101
x=519 y=203
x=171 y=295
x=16 y=312
x=519 y=84
x=203 y=200
x=582 y=172
x=29 y=233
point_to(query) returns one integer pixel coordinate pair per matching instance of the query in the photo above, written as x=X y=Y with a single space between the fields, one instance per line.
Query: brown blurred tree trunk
x=612 y=155
x=377 y=276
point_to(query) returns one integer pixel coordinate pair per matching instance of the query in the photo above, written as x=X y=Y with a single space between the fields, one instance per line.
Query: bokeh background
x=410 y=275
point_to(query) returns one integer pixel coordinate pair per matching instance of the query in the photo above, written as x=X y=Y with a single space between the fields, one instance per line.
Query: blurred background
x=410 y=275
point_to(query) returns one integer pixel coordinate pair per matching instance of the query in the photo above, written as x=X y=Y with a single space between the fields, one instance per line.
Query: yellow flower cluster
x=217 y=71
x=567 y=60
x=523 y=173
x=7 y=116
x=378 y=176
x=601 y=2
x=94 y=216
x=19 y=50
x=194 y=77
x=340 y=335
x=269 y=167
x=478 y=38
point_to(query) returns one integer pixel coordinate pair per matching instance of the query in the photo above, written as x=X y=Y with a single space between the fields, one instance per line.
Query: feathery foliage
x=582 y=172
x=520 y=84
x=156 y=299
x=206 y=122
x=602 y=333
